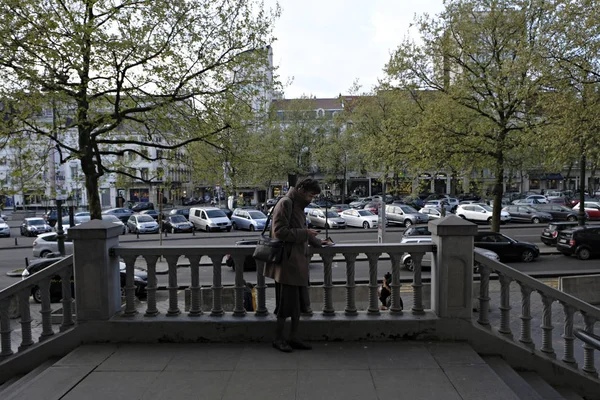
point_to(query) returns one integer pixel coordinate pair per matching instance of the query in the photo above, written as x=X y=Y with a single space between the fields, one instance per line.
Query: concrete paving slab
x=336 y=385
x=448 y=354
x=478 y=382
x=52 y=384
x=334 y=355
x=188 y=385
x=91 y=354
x=262 y=383
x=205 y=357
x=139 y=357
x=398 y=355
x=263 y=356
x=112 y=385
x=413 y=384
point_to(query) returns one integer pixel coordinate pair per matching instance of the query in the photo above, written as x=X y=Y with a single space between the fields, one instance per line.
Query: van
x=209 y=219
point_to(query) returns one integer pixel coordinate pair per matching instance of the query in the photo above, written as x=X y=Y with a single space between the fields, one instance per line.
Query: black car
x=506 y=247
x=417 y=230
x=122 y=213
x=153 y=213
x=137 y=207
x=177 y=223
x=51 y=216
x=558 y=212
x=526 y=213
x=583 y=242
x=550 y=233
x=140 y=280
x=181 y=211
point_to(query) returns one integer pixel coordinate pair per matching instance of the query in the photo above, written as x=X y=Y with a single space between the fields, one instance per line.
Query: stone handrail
x=549 y=295
x=22 y=290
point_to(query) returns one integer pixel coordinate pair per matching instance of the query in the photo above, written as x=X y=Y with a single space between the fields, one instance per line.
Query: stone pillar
x=452 y=267
x=97 y=276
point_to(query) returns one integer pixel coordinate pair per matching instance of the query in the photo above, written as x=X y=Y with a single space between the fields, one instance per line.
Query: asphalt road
x=13 y=256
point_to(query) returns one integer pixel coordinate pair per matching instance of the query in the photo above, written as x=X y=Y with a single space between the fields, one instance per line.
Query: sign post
x=381 y=222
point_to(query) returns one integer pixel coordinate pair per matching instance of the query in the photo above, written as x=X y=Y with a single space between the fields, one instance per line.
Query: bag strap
x=269 y=218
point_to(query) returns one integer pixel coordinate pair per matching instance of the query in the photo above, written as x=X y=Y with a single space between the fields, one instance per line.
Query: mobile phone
x=317 y=230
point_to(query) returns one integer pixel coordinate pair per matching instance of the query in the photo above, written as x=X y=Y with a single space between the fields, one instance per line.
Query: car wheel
x=36 y=292
x=489 y=220
x=462 y=216
x=365 y=225
x=229 y=229
x=207 y=228
x=409 y=265
x=234 y=226
x=535 y=220
x=583 y=253
x=407 y=223
x=252 y=229
x=45 y=253
x=527 y=256
x=571 y=218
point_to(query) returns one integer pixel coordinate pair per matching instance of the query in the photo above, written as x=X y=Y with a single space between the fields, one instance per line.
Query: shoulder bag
x=268 y=248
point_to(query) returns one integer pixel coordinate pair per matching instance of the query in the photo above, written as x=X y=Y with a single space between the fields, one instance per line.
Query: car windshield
x=215 y=214
x=332 y=214
x=364 y=213
x=145 y=218
x=1 y=221
x=178 y=218
x=257 y=215
x=36 y=222
x=110 y=218
x=408 y=209
x=529 y=209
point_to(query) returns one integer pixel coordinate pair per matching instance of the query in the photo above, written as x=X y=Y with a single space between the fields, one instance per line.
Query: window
x=144 y=173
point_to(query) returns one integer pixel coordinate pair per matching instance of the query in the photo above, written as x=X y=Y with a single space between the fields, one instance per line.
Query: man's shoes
x=299 y=345
x=282 y=345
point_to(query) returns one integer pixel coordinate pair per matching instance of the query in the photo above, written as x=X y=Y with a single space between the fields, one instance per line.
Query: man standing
x=291 y=276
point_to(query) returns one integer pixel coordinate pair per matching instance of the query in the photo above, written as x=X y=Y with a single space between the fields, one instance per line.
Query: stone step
x=15 y=384
x=568 y=394
x=541 y=386
x=515 y=381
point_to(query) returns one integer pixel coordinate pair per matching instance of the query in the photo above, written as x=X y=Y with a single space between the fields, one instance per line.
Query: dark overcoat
x=289 y=225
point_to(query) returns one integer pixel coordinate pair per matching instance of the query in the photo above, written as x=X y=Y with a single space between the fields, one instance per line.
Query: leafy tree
x=134 y=74
x=485 y=56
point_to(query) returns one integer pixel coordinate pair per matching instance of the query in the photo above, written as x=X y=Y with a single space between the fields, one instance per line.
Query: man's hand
x=313 y=232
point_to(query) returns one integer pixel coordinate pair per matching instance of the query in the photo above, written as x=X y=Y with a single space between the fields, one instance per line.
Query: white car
x=47 y=243
x=4 y=228
x=480 y=213
x=142 y=223
x=431 y=212
x=115 y=220
x=360 y=218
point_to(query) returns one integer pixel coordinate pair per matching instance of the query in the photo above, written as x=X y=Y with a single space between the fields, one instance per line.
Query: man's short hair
x=309 y=185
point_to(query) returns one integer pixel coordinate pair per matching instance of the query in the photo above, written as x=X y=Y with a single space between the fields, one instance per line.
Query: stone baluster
x=373 y=285
x=66 y=276
x=484 y=295
x=129 y=286
x=5 y=329
x=26 y=337
x=588 y=350
x=173 y=287
x=505 y=305
x=238 y=300
x=395 y=284
x=151 y=310
x=350 y=284
x=46 y=310
x=195 y=292
x=328 y=309
x=261 y=289
x=417 y=284
x=525 y=336
x=568 y=336
x=217 y=287
x=547 y=325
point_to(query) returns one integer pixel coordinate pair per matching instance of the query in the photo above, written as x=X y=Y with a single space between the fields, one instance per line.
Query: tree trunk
x=498 y=192
x=581 y=214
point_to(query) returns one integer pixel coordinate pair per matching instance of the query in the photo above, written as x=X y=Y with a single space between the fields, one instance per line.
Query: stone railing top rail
x=538 y=286
x=48 y=272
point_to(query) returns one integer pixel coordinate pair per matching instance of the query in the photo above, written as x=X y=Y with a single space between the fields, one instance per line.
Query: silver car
x=403 y=214
x=322 y=218
x=252 y=220
x=142 y=223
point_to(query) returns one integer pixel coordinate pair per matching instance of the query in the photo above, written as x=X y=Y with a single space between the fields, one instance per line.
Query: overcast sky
x=325 y=45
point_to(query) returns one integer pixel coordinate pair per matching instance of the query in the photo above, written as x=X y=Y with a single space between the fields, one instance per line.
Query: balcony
x=435 y=332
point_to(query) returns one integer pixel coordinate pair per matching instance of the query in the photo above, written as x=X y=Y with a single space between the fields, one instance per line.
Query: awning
x=554 y=177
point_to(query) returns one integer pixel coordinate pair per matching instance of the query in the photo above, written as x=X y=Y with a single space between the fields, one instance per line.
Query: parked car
x=431 y=213
x=140 y=223
x=525 y=202
x=550 y=233
x=140 y=280
x=558 y=212
x=539 y=197
x=592 y=208
x=46 y=244
x=249 y=219
x=141 y=206
x=323 y=218
x=309 y=207
x=122 y=213
x=583 y=242
x=439 y=204
x=527 y=214
x=249 y=261
x=340 y=207
x=115 y=220
x=209 y=219
x=34 y=226
x=181 y=211
x=51 y=216
x=4 y=228
x=361 y=202
x=469 y=196
x=507 y=248
x=153 y=213
x=403 y=214
x=414 y=230
x=66 y=222
x=373 y=207
x=360 y=218
x=477 y=212
x=177 y=223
